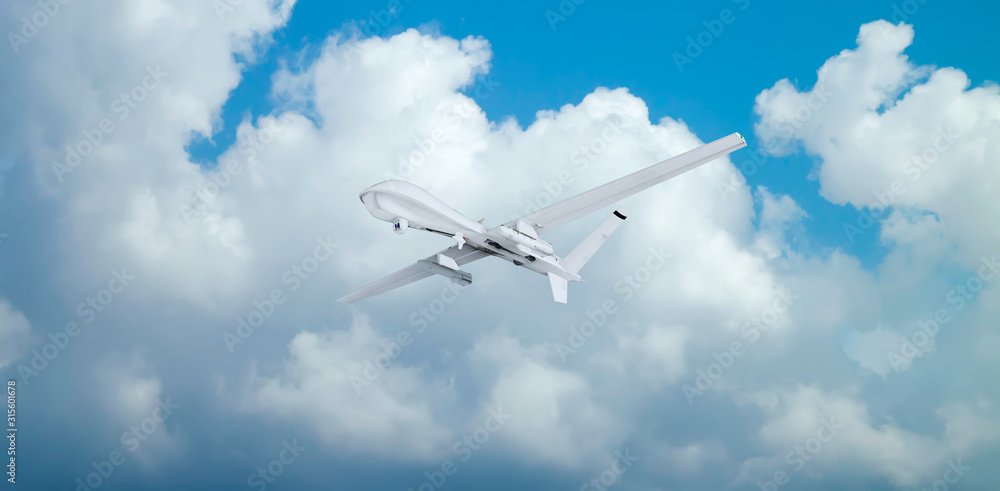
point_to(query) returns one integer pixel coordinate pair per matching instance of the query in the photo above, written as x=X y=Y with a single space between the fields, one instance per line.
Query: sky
x=179 y=212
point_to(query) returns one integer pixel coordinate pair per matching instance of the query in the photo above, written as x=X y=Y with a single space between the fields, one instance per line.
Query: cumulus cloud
x=104 y=135
x=345 y=385
x=714 y=277
x=688 y=272
x=817 y=431
x=655 y=352
x=778 y=217
x=133 y=398
x=871 y=349
x=554 y=417
x=15 y=334
x=888 y=132
x=913 y=149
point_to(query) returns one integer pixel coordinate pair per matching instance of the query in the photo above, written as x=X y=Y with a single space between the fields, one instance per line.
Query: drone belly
x=546 y=263
x=524 y=242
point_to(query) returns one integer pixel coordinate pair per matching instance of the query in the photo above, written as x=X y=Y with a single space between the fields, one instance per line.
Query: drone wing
x=413 y=272
x=585 y=203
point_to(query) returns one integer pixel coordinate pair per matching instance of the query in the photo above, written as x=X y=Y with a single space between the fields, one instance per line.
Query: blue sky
x=329 y=90
x=544 y=64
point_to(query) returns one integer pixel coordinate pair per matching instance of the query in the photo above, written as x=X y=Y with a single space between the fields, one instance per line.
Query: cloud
x=554 y=418
x=133 y=398
x=656 y=352
x=871 y=349
x=15 y=334
x=98 y=107
x=817 y=431
x=911 y=148
x=916 y=138
x=688 y=272
x=381 y=100
x=778 y=216
x=326 y=385
x=685 y=460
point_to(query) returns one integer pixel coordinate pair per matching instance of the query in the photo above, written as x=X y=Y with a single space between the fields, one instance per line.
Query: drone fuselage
x=401 y=201
x=406 y=206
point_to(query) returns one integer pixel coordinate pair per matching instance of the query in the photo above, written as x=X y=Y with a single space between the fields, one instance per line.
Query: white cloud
x=778 y=215
x=15 y=334
x=326 y=385
x=363 y=105
x=133 y=398
x=714 y=280
x=122 y=201
x=889 y=121
x=685 y=460
x=848 y=438
x=554 y=418
x=657 y=353
x=871 y=349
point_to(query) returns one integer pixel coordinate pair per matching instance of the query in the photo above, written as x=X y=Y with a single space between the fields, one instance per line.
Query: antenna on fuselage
x=352 y=182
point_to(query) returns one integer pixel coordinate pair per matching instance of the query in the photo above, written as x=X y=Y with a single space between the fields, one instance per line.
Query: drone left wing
x=413 y=272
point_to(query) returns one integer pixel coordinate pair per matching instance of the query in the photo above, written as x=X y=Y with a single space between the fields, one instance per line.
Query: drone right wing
x=585 y=203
